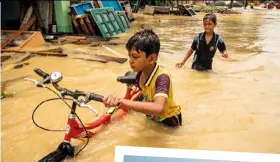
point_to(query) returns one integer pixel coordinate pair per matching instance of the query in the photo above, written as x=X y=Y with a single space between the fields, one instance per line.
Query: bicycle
x=75 y=129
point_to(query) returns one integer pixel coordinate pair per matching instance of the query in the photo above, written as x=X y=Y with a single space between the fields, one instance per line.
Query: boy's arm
x=225 y=54
x=180 y=64
x=150 y=108
x=189 y=53
x=222 y=47
x=161 y=95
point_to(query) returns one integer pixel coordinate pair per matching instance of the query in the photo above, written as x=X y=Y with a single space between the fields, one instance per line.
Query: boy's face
x=208 y=25
x=139 y=61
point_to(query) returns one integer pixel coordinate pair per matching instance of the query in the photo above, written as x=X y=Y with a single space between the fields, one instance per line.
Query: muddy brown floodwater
x=233 y=108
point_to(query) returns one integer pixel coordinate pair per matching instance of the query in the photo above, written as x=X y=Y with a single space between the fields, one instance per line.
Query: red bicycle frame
x=75 y=130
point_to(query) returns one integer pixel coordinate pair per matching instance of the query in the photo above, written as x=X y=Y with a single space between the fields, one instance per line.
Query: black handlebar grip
x=96 y=97
x=41 y=73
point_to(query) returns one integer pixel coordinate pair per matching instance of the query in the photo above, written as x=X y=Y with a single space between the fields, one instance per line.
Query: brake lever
x=89 y=107
x=82 y=104
x=38 y=84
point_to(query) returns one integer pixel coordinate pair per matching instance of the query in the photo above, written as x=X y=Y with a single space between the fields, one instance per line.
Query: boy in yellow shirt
x=155 y=84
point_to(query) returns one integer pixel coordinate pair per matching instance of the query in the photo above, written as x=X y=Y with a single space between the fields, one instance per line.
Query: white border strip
x=120 y=151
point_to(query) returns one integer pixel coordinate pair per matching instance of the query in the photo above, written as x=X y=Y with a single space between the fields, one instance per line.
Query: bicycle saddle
x=128 y=78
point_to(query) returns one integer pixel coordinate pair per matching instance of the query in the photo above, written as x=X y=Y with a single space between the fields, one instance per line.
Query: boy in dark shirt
x=205 y=45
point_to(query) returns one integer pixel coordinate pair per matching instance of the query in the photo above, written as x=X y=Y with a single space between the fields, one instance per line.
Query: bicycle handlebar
x=96 y=97
x=41 y=73
x=47 y=79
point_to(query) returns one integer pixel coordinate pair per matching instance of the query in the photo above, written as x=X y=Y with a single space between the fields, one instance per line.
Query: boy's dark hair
x=146 y=41
x=211 y=16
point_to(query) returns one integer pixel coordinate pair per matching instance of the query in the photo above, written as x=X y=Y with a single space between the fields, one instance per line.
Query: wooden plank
x=100 y=43
x=18 y=57
x=76 y=24
x=22 y=12
x=98 y=38
x=113 y=59
x=81 y=24
x=30 y=22
x=87 y=57
x=71 y=38
x=56 y=50
x=25 y=57
x=50 y=11
x=89 y=25
x=9 y=81
x=37 y=53
x=4 y=58
x=112 y=51
x=26 y=17
x=34 y=40
x=20 y=65
x=99 y=58
x=82 y=42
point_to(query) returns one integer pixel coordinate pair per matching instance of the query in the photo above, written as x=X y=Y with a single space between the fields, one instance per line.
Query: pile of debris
x=177 y=9
x=214 y=9
x=227 y=11
x=92 y=19
x=96 y=23
x=91 y=41
x=51 y=17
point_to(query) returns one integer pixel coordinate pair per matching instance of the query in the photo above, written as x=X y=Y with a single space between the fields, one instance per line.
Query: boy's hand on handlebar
x=110 y=101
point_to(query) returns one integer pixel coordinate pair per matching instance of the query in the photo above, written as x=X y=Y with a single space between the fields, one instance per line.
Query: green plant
x=4 y=94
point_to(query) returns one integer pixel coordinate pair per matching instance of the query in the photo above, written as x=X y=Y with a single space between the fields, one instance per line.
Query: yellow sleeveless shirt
x=148 y=91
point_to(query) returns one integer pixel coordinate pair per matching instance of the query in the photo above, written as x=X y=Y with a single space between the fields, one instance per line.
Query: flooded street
x=233 y=108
